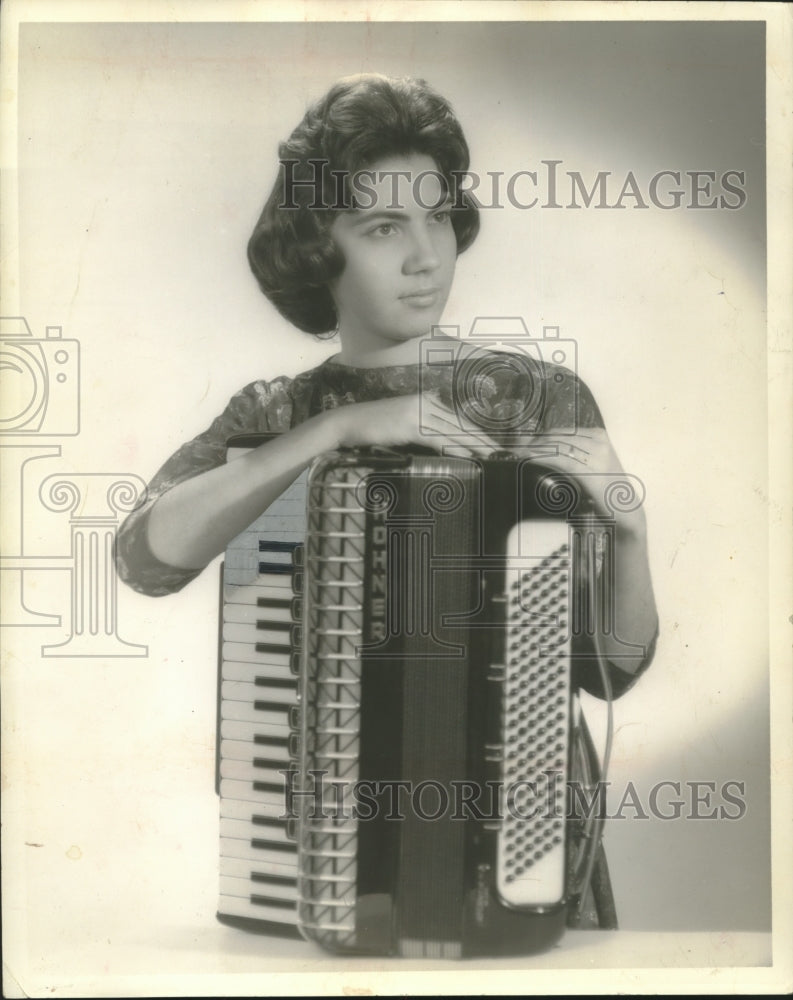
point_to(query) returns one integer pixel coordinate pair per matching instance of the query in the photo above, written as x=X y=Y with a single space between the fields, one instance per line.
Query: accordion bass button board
x=395 y=630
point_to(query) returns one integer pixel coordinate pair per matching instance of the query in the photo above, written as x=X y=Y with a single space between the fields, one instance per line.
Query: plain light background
x=145 y=154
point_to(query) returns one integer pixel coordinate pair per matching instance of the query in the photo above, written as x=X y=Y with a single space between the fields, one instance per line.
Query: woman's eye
x=443 y=216
x=384 y=229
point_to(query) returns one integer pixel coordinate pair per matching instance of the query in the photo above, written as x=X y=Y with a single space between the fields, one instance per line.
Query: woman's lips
x=422 y=297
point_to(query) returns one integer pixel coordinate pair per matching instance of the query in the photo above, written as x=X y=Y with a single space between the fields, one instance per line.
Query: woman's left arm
x=588 y=457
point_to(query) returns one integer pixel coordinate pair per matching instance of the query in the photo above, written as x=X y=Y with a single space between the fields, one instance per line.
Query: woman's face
x=400 y=252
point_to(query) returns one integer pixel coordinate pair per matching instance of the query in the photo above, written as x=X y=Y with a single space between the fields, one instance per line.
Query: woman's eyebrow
x=363 y=216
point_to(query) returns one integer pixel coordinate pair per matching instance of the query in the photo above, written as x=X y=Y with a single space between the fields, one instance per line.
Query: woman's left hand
x=587 y=456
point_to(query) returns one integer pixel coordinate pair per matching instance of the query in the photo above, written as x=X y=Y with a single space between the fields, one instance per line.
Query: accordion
x=397 y=722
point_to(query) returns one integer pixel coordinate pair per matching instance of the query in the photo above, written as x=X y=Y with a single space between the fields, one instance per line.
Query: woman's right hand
x=404 y=420
x=195 y=520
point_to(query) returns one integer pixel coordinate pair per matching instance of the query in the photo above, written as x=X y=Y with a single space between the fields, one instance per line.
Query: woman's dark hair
x=360 y=120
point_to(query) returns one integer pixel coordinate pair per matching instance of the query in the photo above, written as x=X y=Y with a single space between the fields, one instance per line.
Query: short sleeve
x=567 y=402
x=260 y=407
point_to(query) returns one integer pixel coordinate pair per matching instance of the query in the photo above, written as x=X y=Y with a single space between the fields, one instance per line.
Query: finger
x=569 y=454
x=466 y=445
x=571 y=433
x=444 y=418
x=593 y=441
x=439 y=420
x=597 y=456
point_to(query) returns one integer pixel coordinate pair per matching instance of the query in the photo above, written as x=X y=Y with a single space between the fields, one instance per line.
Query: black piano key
x=269 y=786
x=272 y=706
x=284 y=904
x=274 y=845
x=257 y=820
x=271 y=545
x=271 y=567
x=273 y=879
x=272 y=647
x=271 y=741
x=277 y=682
x=262 y=623
x=274 y=602
x=267 y=762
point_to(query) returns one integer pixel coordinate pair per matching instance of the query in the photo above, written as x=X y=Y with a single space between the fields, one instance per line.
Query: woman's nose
x=422 y=253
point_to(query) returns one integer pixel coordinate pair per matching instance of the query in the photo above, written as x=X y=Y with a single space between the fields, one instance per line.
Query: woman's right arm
x=194 y=520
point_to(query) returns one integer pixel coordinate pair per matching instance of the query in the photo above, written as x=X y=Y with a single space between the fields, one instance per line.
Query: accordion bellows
x=395 y=737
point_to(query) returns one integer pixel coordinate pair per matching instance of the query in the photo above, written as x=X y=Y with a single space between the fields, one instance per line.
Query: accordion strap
x=593 y=904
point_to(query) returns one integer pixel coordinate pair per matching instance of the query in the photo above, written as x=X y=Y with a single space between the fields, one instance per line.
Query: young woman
x=360 y=236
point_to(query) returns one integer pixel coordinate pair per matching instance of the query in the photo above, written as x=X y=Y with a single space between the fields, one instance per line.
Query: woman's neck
x=406 y=352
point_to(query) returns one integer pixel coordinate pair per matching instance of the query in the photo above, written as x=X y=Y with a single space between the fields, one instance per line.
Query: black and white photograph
x=396 y=488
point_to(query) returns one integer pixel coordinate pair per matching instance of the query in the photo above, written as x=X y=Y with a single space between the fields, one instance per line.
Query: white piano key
x=234 y=729
x=247 y=633
x=244 y=790
x=244 y=868
x=236 y=670
x=239 y=829
x=242 y=770
x=249 y=541
x=240 y=809
x=230 y=886
x=243 y=568
x=238 y=848
x=245 y=691
x=235 y=906
x=252 y=613
x=282 y=534
x=245 y=594
x=245 y=750
x=244 y=652
x=243 y=712
x=275 y=580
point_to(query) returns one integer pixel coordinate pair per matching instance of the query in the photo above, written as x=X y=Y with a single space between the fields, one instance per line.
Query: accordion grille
x=535 y=713
x=331 y=699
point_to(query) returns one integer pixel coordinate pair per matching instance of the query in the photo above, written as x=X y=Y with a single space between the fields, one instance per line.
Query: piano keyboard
x=259 y=661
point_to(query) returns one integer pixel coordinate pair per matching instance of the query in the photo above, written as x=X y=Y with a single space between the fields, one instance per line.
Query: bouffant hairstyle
x=359 y=121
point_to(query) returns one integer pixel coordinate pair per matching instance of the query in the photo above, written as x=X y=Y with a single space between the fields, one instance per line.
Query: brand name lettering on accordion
x=378 y=583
